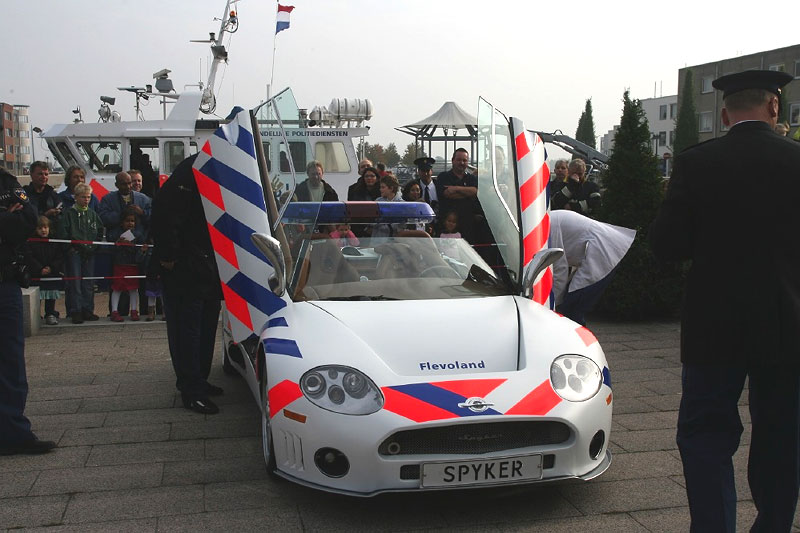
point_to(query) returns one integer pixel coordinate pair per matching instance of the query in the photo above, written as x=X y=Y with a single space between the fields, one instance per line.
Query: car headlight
x=575 y=378
x=341 y=389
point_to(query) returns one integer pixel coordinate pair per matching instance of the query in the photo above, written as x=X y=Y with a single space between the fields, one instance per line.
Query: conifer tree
x=585 y=131
x=642 y=288
x=686 y=127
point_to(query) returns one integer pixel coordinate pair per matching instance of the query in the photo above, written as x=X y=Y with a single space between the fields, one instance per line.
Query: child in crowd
x=344 y=236
x=46 y=260
x=81 y=223
x=127 y=258
x=449 y=231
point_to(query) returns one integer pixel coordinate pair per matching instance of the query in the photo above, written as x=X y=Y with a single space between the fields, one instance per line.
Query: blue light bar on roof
x=357 y=212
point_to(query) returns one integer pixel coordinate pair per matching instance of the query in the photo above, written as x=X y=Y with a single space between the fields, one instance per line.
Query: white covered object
x=593 y=248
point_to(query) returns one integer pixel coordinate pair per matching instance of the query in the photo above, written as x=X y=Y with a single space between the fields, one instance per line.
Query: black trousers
x=709 y=429
x=14 y=425
x=191 y=332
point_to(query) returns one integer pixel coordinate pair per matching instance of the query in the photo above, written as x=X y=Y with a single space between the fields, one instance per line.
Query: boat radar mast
x=228 y=23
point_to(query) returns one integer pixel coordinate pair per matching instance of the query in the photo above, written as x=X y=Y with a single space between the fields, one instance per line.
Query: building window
x=6 y=115
x=673 y=110
x=24 y=149
x=662 y=112
x=23 y=119
x=662 y=138
x=23 y=134
x=705 y=86
x=9 y=132
x=797 y=69
x=779 y=67
x=706 y=121
x=794 y=114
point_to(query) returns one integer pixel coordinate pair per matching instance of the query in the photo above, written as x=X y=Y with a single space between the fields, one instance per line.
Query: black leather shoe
x=204 y=406
x=77 y=318
x=91 y=317
x=30 y=447
x=213 y=390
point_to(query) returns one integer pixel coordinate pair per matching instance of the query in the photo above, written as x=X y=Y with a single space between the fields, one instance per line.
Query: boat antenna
x=230 y=24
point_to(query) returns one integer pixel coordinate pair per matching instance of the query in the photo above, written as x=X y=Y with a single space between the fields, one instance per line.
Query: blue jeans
x=14 y=425
x=80 y=292
x=709 y=429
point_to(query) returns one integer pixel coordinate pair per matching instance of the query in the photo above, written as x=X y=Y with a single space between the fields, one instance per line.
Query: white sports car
x=403 y=362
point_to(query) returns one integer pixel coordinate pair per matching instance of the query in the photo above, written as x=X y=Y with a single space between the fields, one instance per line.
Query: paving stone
x=618 y=523
x=145 y=417
x=240 y=447
x=677 y=519
x=72 y=391
x=128 y=403
x=77 y=420
x=14 y=484
x=149 y=452
x=32 y=511
x=624 y=496
x=136 y=503
x=109 y=369
x=639 y=465
x=214 y=470
x=217 y=428
x=53 y=407
x=148 y=387
x=68 y=480
x=643 y=441
x=270 y=493
x=643 y=421
x=664 y=386
x=148 y=525
x=60 y=380
x=239 y=520
x=115 y=435
x=629 y=390
x=630 y=405
x=58 y=458
x=641 y=376
x=134 y=377
x=666 y=402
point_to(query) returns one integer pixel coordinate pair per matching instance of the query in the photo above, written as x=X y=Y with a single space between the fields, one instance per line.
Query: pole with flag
x=281 y=23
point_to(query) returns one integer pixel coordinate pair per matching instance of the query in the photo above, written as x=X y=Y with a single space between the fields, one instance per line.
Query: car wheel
x=266 y=429
x=227 y=366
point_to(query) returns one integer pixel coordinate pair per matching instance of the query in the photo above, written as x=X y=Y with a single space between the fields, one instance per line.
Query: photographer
x=17 y=223
x=576 y=194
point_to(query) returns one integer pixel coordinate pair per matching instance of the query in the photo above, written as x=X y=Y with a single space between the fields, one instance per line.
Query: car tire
x=266 y=429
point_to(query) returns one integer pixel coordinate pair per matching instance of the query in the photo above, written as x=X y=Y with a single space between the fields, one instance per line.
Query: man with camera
x=17 y=223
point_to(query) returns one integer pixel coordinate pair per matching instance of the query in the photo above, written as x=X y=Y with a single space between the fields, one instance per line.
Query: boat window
x=333 y=156
x=174 y=154
x=101 y=156
x=298 y=151
x=63 y=154
x=145 y=155
x=192 y=148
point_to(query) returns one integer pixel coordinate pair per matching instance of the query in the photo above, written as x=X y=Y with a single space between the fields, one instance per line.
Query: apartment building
x=16 y=147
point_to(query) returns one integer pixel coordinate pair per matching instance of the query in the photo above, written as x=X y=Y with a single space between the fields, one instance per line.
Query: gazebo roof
x=449 y=117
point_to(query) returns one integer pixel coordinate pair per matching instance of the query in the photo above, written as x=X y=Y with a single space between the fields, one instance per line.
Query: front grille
x=474 y=438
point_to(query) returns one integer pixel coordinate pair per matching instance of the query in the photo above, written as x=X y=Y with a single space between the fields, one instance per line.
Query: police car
x=398 y=361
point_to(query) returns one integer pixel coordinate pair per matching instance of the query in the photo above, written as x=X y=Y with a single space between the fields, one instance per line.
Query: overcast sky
x=535 y=60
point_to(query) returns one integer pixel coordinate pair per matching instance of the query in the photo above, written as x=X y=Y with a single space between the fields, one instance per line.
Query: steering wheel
x=439 y=271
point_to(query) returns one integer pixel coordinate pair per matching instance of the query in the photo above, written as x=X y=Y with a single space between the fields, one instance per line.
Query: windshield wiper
x=359 y=298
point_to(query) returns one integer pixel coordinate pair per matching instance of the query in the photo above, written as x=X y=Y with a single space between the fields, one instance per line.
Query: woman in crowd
x=73 y=176
x=367 y=188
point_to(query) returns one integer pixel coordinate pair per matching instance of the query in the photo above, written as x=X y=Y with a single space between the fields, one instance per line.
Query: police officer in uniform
x=741 y=315
x=17 y=223
x=427 y=185
x=192 y=291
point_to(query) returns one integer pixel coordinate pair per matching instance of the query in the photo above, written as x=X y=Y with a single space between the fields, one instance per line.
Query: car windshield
x=415 y=267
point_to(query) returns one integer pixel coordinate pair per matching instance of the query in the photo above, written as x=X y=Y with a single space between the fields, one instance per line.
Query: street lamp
x=37 y=130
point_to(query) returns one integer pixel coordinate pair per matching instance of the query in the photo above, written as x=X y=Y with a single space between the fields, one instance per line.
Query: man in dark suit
x=741 y=315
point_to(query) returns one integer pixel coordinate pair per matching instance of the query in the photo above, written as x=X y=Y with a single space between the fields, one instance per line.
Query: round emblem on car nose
x=476 y=404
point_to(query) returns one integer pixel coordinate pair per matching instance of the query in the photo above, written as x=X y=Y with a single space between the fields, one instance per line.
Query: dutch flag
x=283 y=18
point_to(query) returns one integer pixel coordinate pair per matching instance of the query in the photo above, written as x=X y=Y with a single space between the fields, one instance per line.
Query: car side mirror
x=539 y=262
x=271 y=248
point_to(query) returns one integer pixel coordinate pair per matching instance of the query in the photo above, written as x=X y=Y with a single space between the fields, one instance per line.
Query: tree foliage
x=390 y=157
x=686 y=126
x=585 y=131
x=642 y=288
x=411 y=153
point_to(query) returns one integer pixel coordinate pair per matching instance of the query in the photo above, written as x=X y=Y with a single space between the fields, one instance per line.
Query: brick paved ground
x=131 y=459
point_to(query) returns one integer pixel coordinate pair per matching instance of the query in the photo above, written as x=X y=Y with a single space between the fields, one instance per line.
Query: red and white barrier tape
x=73 y=278
x=100 y=243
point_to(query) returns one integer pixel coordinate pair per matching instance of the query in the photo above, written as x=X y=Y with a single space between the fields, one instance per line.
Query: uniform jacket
x=731 y=208
x=43 y=201
x=180 y=233
x=583 y=198
x=15 y=227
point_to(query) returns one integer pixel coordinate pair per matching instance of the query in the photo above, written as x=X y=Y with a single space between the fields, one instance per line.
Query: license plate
x=482 y=472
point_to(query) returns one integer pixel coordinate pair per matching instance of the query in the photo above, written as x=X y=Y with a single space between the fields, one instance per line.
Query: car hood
x=436 y=337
